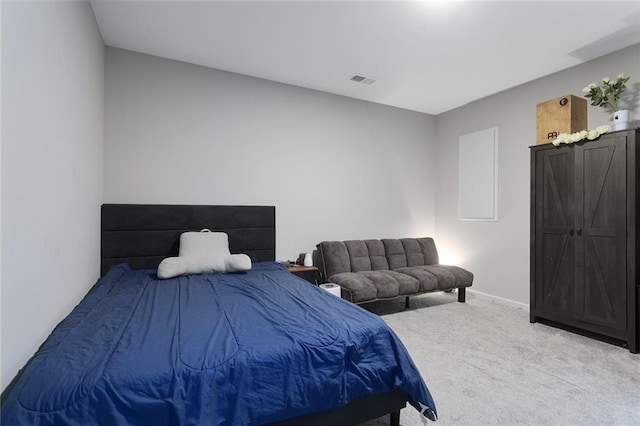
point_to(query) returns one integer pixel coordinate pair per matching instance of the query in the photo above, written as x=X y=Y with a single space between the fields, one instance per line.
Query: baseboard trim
x=501 y=300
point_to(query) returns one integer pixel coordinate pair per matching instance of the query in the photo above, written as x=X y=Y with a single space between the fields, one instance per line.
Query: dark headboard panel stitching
x=142 y=234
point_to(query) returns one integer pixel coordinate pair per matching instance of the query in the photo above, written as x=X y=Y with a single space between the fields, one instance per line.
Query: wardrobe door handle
x=571 y=232
x=579 y=232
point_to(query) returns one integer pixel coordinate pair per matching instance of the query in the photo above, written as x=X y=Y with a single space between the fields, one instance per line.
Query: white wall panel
x=478 y=175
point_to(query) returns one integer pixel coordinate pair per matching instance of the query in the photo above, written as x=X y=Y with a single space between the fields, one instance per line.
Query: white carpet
x=485 y=364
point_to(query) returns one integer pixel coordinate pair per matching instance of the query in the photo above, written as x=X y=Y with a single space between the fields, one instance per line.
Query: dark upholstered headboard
x=143 y=234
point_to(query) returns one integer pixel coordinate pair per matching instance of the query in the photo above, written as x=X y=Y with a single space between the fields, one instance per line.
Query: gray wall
x=498 y=252
x=52 y=132
x=334 y=167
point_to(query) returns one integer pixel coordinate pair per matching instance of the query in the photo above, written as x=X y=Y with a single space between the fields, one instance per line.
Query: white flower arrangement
x=578 y=136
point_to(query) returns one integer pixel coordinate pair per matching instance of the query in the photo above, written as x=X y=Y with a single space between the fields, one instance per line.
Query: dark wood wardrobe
x=584 y=236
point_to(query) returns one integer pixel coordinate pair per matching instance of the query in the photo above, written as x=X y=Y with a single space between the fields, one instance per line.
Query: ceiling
x=426 y=56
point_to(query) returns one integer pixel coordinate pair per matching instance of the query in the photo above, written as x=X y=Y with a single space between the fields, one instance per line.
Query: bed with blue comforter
x=247 y=348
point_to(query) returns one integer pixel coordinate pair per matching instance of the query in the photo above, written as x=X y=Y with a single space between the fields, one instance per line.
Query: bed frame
x=143 y=235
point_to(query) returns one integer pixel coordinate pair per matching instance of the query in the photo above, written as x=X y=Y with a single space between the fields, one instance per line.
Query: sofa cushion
x=463 y=278
x=396 y=257
x=334 y=257
x=392 y=283
x=377 y=255
x=385 y=284
x=413 y=251
x=358 y=255
x=370 y=285
x=439 y=277
x=428 y=247
x=406 y=283
x=357 y=286
x=446 y=279
x=428 y=281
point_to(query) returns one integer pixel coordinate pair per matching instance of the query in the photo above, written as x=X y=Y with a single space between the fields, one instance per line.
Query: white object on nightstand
x=308 y=261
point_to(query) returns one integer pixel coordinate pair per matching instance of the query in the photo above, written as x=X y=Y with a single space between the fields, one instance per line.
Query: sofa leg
x=406 y=302
x=461 y=294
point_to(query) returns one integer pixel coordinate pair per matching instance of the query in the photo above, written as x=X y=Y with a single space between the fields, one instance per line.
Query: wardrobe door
x=554 y=251
x=600 y=236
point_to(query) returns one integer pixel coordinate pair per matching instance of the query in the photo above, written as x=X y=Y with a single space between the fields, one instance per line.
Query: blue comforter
x=245 y=348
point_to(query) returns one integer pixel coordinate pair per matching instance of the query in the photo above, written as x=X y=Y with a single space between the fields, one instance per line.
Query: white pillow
x=237 y=263
x=203 y=252
x=204 y=244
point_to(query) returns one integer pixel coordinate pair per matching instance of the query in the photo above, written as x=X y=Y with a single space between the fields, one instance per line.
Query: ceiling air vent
x=359 y=78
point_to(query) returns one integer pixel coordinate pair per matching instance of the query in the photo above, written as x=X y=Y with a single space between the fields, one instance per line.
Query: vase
x=621 y=119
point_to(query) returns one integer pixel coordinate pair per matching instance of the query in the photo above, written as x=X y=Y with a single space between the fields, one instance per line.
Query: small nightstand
x=309 y=273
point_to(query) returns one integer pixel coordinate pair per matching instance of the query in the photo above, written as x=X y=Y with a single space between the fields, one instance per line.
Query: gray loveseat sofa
x=369 y=270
